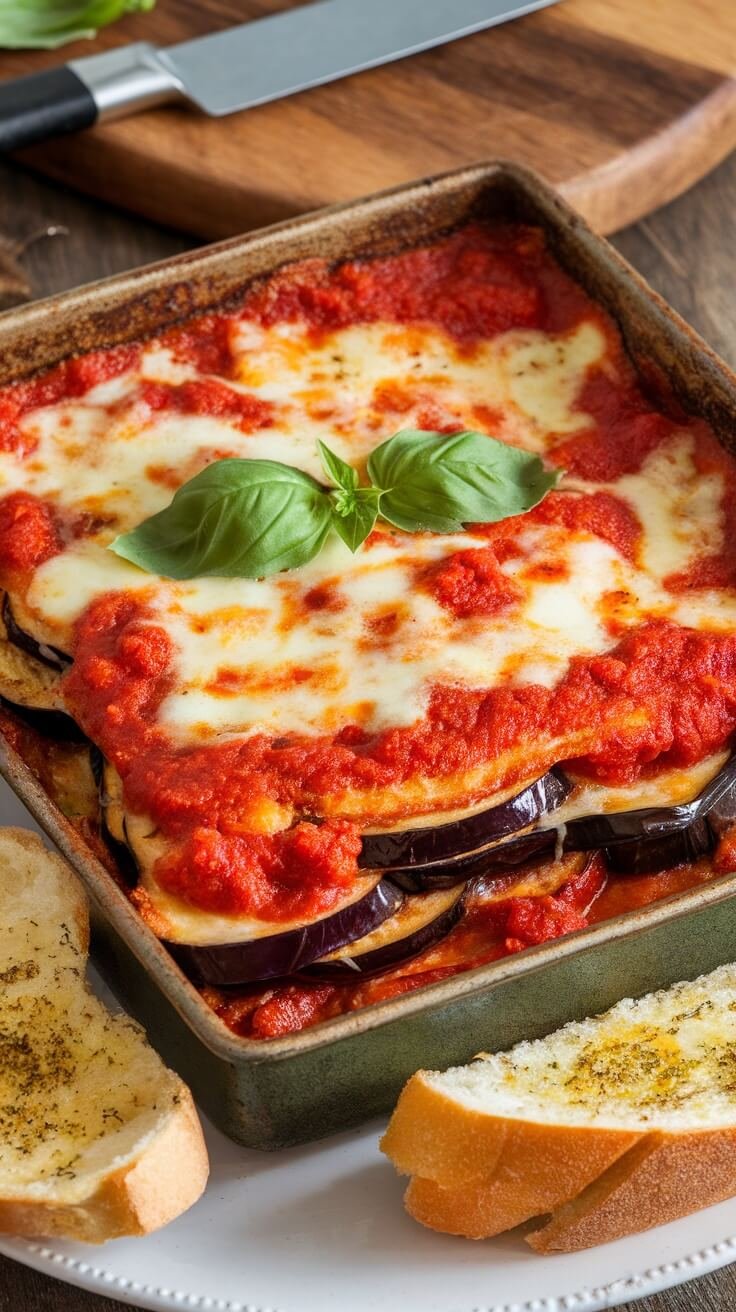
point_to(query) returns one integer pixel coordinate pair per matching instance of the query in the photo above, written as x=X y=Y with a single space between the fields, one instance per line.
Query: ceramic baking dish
x=283 y=1091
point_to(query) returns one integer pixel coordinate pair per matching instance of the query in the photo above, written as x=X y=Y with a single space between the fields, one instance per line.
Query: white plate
x=321 y=1229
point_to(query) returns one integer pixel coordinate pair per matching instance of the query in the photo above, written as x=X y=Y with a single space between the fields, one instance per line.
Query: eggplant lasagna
x=359 y=776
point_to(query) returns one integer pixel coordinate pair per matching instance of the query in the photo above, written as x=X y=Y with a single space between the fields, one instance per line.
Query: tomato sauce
x=29 y=533
x=485 y=934
x=474 y=284
x=603 y=514
x=71 y=378
x=471 y=583
x=682 y=683
x=209 y=396
x=625 y=429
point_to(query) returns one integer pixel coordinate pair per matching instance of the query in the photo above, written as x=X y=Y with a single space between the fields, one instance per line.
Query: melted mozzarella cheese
x=125 y=464
x=340 y=675
x=530 y=379
x=255 y=655
x=67 y=584
x=667 y=788
x=252 y=657
x=543 y=373
x=680 y=509
x=124 y=468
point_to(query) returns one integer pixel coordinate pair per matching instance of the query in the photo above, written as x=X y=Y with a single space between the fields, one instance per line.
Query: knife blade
x=242 y=66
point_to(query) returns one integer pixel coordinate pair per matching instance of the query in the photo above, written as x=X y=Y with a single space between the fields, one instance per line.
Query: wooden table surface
x=686 y=251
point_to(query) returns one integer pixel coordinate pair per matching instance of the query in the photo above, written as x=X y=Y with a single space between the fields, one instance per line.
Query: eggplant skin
x=650 y=855
x=278 y=955
x=50 y=723
x=397 y=850
x=49 y=656
x=708 y=818
x=112 y=817
x=395 y=951
x=504 y=857
x=634 y=842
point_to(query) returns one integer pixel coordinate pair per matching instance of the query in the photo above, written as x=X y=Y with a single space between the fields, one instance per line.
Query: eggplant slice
x=111 y=799
x=427 y=918
x=24 y=678
x=30 y=684
x=538 y=879
x=420 y=922
x=403 y=849
x=112 y=815
x=51 y=657
x=638 y=841
x=228 y=950
x=685 y=833
x=274 y=952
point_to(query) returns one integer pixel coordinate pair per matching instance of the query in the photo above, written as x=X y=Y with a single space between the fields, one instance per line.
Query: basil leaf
x=436 y=483
x=354 y=515
x=235 y=519
x=49 y=23
x=342 y=475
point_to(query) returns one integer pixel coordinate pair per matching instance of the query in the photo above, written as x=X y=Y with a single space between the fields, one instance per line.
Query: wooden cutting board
x=624 y=103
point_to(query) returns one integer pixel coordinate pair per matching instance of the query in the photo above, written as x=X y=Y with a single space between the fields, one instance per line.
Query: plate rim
x=96 y=1280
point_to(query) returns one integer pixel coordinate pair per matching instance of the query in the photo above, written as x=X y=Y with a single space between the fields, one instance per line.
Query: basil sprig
x=354 y=508
x=253 y=518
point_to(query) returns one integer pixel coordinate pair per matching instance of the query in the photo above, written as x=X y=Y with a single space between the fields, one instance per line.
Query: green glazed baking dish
x=285 y=1091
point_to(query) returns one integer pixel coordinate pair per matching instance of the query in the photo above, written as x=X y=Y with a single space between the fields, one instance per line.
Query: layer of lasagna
x=258 y=728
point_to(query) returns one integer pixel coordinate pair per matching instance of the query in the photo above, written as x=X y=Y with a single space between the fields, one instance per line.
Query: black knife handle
x=43 y=105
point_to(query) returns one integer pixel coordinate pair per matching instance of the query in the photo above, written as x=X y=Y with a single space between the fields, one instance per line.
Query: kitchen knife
x=242 y=66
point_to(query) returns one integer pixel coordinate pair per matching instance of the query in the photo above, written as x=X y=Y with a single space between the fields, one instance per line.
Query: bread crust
x=475 y=1174
x=145 y=1194
x=435 y=1137
x=660 y=1179
x=642 y=1129
x=162 y=1176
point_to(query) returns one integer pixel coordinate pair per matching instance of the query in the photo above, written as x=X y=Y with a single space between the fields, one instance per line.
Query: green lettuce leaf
x=45 y=24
